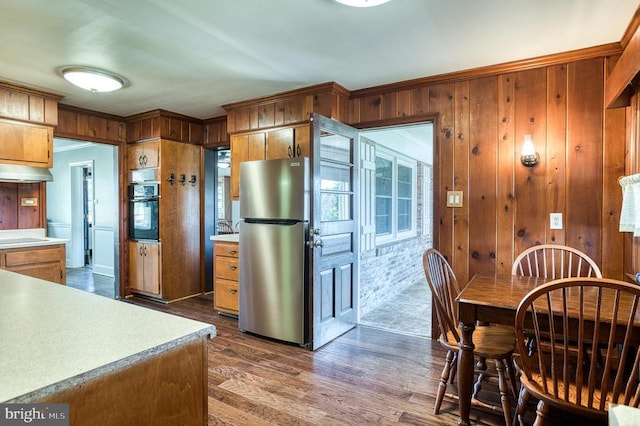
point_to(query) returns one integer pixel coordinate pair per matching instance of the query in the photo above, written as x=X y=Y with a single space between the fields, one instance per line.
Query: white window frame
x=398 y=159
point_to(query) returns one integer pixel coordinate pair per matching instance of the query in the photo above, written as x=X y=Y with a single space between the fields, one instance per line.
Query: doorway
x=82 y=207
x=394 y=295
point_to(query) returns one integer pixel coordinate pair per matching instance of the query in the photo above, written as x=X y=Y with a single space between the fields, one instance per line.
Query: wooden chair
x=554 y=261
x=491 y=343
x=224 y=227
x=601 y=314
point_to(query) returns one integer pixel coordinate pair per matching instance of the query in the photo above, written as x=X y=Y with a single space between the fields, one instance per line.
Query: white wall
x=105 y=201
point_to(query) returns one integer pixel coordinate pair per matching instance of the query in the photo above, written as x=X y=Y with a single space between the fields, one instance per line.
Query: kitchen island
x=111 y=361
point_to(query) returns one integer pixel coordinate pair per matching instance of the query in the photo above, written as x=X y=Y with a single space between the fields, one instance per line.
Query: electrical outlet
x=555 y=220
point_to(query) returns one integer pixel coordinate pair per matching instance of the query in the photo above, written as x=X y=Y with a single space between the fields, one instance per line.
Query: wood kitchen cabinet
x=285 y=142
x=144 y=267
x=225 y=277
x=45 y=262
x=143 y=155
x=244 y=147
x=177 y=267
x=26 y=144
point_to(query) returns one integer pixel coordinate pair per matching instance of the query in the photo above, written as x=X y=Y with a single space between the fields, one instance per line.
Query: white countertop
x=54 y=337
x=18 y=238
x=230 y=238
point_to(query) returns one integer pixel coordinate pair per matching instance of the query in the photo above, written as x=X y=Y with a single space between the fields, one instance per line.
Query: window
x=395 y=191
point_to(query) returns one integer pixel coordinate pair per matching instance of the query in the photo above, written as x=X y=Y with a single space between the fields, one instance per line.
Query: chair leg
x=502 y=386
x=523 y=400
x=511 y=370
x=444 y=377
x=454 y=368
x=541 y=413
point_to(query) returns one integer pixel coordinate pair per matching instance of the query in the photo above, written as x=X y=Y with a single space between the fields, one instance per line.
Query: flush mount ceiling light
x=362 y=3
x=93 y=79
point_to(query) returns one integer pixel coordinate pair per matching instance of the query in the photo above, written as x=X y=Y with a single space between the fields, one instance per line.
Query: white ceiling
x=192 y=56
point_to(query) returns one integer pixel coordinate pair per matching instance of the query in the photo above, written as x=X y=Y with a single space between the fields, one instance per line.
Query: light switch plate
x=555 y=220
x=454 y=198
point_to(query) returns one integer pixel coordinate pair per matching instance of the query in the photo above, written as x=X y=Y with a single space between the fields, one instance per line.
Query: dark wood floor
x=366 y=376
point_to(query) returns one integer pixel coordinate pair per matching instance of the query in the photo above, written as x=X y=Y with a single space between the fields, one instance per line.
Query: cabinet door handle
x=145 y=250
x=140 y=250
x=140 y=162
x=231 y=291
x=230 y=251
x=233 y=267
x=289 y=151
x=298 y=150
x=145 y=159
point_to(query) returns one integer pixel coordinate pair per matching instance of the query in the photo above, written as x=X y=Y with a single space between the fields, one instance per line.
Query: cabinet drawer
x=32 y=256
x=226 y=296
x=226 y=267
x=225 y=249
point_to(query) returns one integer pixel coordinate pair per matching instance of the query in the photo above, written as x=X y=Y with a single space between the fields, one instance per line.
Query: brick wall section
x=387 y=270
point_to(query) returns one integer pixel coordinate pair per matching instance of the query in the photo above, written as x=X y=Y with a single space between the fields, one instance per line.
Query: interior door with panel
x=333 y=236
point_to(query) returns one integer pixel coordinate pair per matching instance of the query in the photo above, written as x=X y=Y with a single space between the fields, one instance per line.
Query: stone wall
x=389 y=269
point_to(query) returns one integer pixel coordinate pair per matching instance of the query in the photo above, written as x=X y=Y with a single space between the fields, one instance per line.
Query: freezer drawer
x=272 y=280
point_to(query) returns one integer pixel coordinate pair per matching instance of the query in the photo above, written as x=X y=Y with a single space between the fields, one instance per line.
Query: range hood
x=24 y=174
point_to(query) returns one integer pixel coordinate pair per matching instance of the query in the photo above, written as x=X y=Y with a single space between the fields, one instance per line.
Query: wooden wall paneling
x=76 y=123
x=531 y=214
x=266 y=115
x=555 y=152
x=253 y=117
x=403 y=103
x=354 y=111
x=613 y=265
x=585 y=101
x=615 y=138
x=323 y=103
x=215 y=132
x=482 y=175
x=280 y=109
x=440 y=101
x=36 y=109
x=14 y=104
x=30 y=216
x=370 y=108
x=420 y=101
x=507 y=162
x=8 y=205
x=461 y=181
x=389 y=106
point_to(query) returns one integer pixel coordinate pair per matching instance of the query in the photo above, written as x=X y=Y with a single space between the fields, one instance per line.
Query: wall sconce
x=529 y=157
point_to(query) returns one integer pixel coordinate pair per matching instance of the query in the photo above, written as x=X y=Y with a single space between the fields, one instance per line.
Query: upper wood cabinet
x=286 y=142
x=26 y=144
x=143 y=155
x=244 y=147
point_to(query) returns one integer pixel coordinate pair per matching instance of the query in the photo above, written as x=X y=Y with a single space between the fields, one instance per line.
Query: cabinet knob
x=289 y=151
x=231 y=251
x=233 y=267
x=232 y=291
x=298 y=151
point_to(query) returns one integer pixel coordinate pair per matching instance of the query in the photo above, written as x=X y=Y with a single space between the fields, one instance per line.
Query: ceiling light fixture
x=93 y=79
x=362 y=3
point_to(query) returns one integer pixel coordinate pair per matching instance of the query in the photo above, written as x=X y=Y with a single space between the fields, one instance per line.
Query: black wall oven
x=143 y=211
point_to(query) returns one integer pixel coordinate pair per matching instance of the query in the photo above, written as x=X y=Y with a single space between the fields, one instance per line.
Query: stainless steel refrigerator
x=274 y=212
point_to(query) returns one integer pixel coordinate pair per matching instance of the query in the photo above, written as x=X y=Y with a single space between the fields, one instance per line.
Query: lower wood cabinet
x=225 y=277
x=144 y=268
x=44 y=262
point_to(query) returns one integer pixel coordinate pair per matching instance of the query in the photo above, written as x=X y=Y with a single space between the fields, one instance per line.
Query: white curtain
x=630 y=213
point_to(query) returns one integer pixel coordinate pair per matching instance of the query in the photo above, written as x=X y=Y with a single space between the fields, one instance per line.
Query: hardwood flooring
x=367 y=376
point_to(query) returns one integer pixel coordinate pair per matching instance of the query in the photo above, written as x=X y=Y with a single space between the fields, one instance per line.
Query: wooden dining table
x=489 y=297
